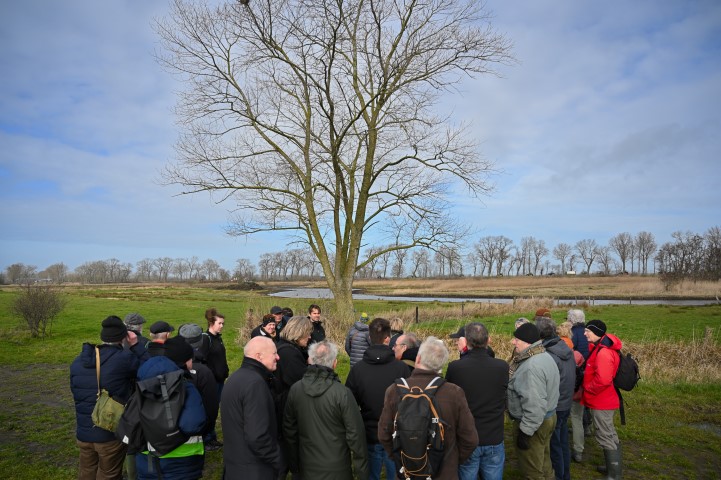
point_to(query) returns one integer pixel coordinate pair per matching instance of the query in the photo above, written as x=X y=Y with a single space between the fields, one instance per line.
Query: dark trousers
x=560 y=450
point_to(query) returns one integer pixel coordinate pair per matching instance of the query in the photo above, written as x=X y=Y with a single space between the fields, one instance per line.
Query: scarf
x=517 y=359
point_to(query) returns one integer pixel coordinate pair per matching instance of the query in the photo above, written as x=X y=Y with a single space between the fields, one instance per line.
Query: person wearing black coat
x=101 y=454
x=484 y=380
x=212 y=353
x=368 y=380
x=318 y=333
x=249 y=418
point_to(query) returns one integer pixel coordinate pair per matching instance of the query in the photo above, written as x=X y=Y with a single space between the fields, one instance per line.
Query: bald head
x=263 y=350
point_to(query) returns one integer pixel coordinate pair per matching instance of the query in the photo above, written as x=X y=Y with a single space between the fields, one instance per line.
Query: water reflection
x=312 y=293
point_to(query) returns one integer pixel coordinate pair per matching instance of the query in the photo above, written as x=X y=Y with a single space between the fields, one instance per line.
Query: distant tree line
x=687 y=256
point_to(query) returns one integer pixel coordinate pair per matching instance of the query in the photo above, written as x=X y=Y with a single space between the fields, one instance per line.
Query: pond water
x=326 y=293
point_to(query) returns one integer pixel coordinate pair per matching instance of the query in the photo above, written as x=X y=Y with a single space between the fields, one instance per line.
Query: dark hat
x=268 y=319
x=597 y=327
x=543 y=312
x=178 y=350
x=114 y=330
x=527 y=332
x=133 y=319
x=276 y=310
x=192 y=333
x=161 y=326
x=460 y=333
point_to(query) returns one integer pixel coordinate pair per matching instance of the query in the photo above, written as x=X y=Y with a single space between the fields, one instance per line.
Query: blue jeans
x=560 y=450
x=377 y=457
x=487 y=460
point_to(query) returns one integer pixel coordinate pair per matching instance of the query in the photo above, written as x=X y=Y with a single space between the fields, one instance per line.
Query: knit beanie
x=178 y=350
x=268 y=319
x=597 y=327
x=114 y=330
x=527 y=332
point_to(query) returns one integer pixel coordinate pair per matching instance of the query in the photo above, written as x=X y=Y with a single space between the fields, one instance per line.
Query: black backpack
x=418 y=430
x=627 y=375
x=129 y=430
x=161 y=400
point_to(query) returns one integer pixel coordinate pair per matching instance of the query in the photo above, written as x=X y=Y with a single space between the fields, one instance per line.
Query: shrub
x=38 y=305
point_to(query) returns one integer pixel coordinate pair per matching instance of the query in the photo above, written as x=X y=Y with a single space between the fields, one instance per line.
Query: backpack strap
x=97 y=367
x=433 y=387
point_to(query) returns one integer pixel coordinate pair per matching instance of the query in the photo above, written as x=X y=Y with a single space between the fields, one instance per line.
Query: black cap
x=161 y=326
x=276 y=310
x=460 y=333
x=597 y=327
x=528 y=333
x=114 y=330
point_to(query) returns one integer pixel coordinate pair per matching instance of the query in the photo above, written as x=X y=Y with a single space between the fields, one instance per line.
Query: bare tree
x=605 y=259
x=645 y=248
x=163 y=266
x=398 y=265
x=244 y=270
x=316 y=118
x=538 y=251
x=622 y=244
x=588 y=251
x=144 y=270
x=421 y=261
x=562 y=252
x=57 y=272
x=210 y=269
x=21 y=273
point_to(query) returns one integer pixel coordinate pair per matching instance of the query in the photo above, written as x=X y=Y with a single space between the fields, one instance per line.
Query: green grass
x=673 y=430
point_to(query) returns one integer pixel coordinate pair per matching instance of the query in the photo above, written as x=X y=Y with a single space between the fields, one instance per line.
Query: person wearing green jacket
x=322 y=425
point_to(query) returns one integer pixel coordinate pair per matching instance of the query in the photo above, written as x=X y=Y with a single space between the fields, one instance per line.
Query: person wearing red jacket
x=599 y=394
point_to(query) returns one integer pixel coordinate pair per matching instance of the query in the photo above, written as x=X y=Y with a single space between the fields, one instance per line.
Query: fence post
x=416 y=313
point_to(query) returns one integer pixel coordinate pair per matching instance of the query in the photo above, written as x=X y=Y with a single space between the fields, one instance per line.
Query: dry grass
x=580 y=286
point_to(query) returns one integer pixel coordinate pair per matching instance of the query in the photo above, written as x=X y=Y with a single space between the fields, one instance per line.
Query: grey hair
x=433 y=354
x=520 y=321
x=476 y=335
x=322 y=353
x=411 y=340
x=576 y=317
x=546 y=327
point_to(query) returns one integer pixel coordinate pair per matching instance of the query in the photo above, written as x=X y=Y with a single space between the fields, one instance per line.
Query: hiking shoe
x=577 y=457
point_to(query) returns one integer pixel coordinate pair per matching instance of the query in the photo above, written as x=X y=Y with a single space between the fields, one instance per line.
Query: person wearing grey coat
x=357 y=341
x=533 y=391
x=563 y=356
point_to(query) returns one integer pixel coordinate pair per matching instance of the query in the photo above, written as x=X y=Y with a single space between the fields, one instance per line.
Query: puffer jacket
x=185 y=462
x=563 y=356
x=601 y=366
x=118 y=368
x=369 y=379
x=357 y=341
x=533 y=390
x=323 y=428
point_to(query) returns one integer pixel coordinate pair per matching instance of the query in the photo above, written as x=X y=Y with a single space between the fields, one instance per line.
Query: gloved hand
x=523 y=442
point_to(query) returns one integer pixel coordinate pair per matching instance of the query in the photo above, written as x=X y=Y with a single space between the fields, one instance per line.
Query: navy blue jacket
x=579 y=340
x=118 y=368
x=176 y=465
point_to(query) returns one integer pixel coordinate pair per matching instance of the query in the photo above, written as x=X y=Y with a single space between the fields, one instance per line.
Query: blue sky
x=609 y=122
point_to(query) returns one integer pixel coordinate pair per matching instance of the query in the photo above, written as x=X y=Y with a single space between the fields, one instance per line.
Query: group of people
x=125 y=357
x=285 y=410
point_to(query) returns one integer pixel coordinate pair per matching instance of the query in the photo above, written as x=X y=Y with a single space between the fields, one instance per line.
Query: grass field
x=674 y=415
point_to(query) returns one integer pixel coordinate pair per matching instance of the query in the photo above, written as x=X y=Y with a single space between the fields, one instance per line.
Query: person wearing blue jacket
x=186 y=461
x=101 y=454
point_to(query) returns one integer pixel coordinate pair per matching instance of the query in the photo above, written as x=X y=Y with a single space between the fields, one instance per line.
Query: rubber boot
x=613 y=467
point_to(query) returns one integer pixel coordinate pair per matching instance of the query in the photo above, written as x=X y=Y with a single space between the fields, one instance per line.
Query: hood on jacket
x=87 y=354
x=378 y=355
x=558 y=347
x=317 y=379
x=609 y=340
x=156 y=366
x=360 y=326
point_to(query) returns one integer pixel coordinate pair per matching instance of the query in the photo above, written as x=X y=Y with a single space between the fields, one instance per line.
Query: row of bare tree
x=688 y=255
